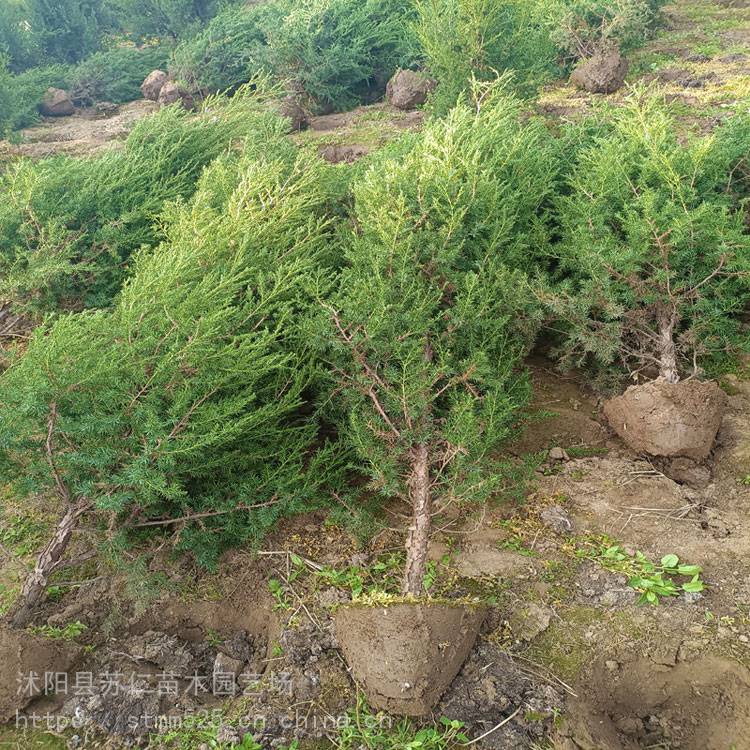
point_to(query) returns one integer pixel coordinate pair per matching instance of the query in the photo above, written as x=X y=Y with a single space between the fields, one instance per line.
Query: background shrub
x=68 y=226
x=230 y=51
x=21 y=94
x=69 y=30
x=341 y=52
x=338 y=52
x=461 y=39
x=653 y=269
x=173 y=19
x=116 y=74
x=579 y=28
x=185 y=400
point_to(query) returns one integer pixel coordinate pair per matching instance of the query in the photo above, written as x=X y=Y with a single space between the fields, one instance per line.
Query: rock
x=224 y=665
x=408 y=89
x=57 y=103
x=106 y=109
x=25 y=661
x=669 y=419
x=153 y=84
x=173 y=93
x=343 y=153
x=557 y=519
x=291 y=108
x=557 y=454
x=529 y=621
x=603 y=73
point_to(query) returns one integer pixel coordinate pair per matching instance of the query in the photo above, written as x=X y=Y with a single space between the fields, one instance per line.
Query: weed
x=213 y=638
x=68 y=632
x=653 y=581
x=367 y=730
x=382 y=576
x=279 y=594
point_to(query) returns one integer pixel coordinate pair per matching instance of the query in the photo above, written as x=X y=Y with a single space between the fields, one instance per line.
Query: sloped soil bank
x=698 y=705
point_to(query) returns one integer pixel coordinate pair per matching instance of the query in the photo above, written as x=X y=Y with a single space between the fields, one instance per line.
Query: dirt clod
x=406 y=655
x=668 y=419
x=25 y=659
x=604 y=73
x=699 y=705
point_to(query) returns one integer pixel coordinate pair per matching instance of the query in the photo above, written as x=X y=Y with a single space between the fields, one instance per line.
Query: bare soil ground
x=87 y=132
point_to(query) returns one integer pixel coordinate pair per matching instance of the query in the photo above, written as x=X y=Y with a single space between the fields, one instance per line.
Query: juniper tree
x=181 y=408
x=69 y=226
x=430 y=324
x=654 y=256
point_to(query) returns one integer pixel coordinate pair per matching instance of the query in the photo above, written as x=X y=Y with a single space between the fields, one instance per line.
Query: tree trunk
x=667 y=349
x=48 y=561
x=418 y=538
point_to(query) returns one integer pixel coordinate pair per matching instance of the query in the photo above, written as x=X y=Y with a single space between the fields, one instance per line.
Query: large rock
x=173 y=93
x=57 y=103
x=408 y=89
x=406 y=655
x=153 y=84
x=25 y=659
x=604 y=73
x=669 y=419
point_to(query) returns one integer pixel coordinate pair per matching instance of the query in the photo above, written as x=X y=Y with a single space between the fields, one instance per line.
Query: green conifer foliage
x=181 y=407
x=654 y=258
x=68 y=226
x=431 y=321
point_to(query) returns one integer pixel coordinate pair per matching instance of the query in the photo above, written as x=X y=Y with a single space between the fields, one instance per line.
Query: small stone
x=557 y=454
x=611 y=665
x=529 y=621
x=557 y=519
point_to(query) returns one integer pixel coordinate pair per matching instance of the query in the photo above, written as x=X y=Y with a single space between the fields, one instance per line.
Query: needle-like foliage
x=654 y=258
x=68 y=226
x=182 y=407
x=427 y=332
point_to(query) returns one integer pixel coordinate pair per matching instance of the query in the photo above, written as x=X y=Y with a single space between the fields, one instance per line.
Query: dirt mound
x=604 y=73
x=153 y=84
x=408 y=89
x=668 y=419
x=57 y=103
x=25 y=659
x=406 y=655
x=699 y=705
x=86 y=132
